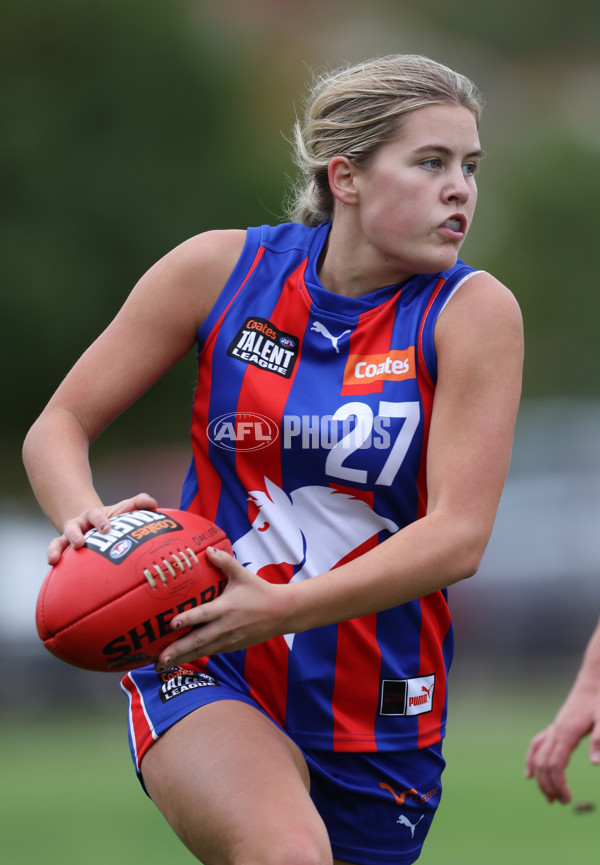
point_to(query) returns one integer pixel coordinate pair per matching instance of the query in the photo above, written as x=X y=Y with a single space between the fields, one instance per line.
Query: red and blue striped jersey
x=310 y=424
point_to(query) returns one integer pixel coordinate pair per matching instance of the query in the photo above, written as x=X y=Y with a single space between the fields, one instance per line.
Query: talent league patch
x=406 y=696
x=179 y=680
x=259 y=343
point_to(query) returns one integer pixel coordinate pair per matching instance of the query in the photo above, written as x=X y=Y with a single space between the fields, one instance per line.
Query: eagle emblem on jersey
x=313 y=528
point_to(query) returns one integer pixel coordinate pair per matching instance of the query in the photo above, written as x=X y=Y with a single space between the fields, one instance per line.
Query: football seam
x=93 y=610
x=112 y=600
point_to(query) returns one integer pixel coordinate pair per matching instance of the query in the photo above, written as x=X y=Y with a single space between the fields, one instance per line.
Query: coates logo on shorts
x=259 y=343
x=242 y=431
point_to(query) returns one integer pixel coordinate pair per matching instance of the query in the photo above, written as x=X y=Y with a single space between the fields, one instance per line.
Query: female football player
x=352 y=426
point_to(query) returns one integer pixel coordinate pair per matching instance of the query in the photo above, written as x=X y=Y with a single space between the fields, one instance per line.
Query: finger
x=190 y=647
x=139 y=502
x=204 y=613
x=224 y=561
x=534 y=747
x=550 y=774
x=557 y=783
x=74 y=534
x=56 y=548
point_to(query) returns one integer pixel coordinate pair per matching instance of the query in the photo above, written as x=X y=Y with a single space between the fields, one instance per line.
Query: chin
x=439 y=263
x=447 y=259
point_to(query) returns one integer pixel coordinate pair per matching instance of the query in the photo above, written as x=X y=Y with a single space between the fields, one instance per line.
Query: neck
x=349 y=267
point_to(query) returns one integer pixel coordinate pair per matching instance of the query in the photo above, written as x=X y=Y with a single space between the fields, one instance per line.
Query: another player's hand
x=547 y=759
x=95 y=518
x=248 y=612
x=549 y=752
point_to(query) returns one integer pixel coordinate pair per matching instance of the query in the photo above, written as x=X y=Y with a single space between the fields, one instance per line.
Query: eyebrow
x=441 y=148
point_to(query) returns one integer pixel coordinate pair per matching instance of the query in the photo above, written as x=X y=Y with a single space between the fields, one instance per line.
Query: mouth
x=457 y=224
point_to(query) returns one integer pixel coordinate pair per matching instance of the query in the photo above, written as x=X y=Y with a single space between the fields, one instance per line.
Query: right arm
x=156 y=326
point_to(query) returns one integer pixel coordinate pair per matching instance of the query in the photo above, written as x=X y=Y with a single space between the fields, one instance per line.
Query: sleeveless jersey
x=309 y=430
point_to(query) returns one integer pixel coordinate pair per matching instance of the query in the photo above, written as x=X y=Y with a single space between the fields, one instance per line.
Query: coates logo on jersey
x=242 y=431
x=365 y=373
x=259 y=343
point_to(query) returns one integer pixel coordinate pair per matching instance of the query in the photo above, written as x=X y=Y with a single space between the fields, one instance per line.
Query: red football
x=107 y=606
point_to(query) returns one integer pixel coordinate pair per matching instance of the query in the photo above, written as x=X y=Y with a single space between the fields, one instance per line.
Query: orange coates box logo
x=367 y=369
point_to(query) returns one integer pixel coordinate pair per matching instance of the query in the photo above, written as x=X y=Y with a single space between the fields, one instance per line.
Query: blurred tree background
x=126 y=128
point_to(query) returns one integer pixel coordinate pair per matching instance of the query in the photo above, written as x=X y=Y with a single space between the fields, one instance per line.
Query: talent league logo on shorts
x=179 y=680
x=259 y=343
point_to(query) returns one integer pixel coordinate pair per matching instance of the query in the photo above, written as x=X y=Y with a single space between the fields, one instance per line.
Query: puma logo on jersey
x=319 y=327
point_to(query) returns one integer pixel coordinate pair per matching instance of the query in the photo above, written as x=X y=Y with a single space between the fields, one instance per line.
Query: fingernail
x=595 y=757
x=104 y=527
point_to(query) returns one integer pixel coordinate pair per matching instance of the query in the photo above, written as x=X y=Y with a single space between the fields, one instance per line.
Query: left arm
x=479 y=343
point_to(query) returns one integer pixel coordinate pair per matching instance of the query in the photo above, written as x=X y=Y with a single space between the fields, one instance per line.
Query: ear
x=341 y=173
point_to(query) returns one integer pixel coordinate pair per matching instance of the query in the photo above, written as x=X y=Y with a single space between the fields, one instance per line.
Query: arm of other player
x=550 y=751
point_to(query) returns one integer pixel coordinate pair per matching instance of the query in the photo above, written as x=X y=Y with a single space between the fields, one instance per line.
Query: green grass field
x=68 y=793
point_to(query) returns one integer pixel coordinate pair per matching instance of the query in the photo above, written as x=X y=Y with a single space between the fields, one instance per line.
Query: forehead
x=449 y=126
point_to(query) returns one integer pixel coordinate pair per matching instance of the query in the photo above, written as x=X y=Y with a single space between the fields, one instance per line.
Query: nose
x=457 y=188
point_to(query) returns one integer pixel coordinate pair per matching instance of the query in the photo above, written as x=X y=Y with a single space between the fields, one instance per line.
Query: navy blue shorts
x=377 y=807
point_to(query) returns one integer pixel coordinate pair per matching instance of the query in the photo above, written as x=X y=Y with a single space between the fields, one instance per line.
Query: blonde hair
x=354 y=110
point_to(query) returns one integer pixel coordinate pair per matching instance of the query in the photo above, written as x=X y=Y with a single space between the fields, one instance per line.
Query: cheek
x=392 y=205
x=388 y=202
x=473 y=199
x=400 y=215
x=386 y=218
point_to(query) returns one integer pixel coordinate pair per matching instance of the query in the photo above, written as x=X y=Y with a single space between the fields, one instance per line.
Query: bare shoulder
x=484 y=309
x=197 y=269
x=216 y=250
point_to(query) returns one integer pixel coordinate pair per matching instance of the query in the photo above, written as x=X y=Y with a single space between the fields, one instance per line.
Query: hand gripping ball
x=107 y=606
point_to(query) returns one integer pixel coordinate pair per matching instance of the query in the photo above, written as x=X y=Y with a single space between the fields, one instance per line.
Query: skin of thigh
x=235 y=789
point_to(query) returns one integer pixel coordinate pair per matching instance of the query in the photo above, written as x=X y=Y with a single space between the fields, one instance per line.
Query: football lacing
x=180 y=561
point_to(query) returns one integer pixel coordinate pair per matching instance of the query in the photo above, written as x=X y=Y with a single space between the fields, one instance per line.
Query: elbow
x=27 y=446
x=35 y=435
x=470 y=565
x=468 y=555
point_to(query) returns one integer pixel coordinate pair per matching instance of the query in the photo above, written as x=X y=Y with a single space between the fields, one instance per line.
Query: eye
x=470 y=168
x=432 y=163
